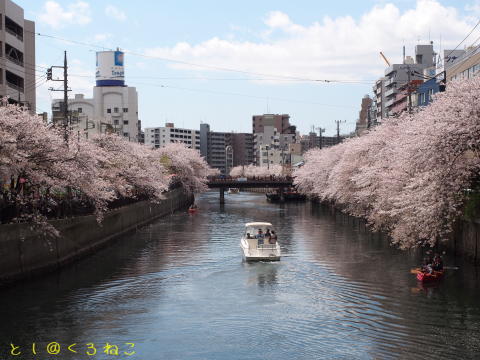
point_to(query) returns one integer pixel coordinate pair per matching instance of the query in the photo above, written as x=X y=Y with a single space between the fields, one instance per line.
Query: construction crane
x=384 y=58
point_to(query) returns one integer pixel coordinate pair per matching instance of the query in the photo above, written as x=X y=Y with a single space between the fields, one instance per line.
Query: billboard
x=110 y=70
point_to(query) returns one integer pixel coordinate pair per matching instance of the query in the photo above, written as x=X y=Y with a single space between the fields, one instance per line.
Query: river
x=178 y=289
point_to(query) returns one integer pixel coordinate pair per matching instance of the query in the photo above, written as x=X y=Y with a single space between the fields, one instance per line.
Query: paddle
x=451 y=267
x=417 y=270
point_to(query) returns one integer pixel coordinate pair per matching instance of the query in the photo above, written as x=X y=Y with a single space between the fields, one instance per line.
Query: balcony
x=389 y=102
x=390 y=92
x=13 y=28
x=14 y=81
x=13 y=54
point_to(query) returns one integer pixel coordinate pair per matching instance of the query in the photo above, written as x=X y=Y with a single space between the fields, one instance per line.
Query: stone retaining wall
x=24 y=253
x=465 y=240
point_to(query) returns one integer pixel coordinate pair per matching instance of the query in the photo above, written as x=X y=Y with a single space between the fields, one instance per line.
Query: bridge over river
x=225 y=183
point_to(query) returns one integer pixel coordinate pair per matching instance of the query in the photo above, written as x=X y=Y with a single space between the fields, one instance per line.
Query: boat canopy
x=257 y=224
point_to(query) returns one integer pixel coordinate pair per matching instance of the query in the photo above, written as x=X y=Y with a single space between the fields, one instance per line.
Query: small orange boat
x=192 y=210
x=426 y=277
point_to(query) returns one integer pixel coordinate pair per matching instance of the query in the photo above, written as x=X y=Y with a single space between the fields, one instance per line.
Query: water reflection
x=180 y=290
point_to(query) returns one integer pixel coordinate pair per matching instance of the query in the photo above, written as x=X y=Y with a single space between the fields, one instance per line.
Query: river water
x=177 y=289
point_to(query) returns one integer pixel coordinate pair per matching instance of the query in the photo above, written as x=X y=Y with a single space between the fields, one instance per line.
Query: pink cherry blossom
x=407 y=176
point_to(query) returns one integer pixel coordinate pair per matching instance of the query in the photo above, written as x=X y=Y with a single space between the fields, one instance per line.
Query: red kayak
x=425 y=277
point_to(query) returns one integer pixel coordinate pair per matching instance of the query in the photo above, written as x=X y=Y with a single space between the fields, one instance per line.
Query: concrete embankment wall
x=24 y=253
x=465 y=240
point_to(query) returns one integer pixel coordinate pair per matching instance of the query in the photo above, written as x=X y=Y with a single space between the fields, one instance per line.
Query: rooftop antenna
x=268 y=108
x=440 y=58
x=404 y=54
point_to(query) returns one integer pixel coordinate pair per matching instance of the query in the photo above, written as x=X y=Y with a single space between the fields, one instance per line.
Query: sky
x=221 y=62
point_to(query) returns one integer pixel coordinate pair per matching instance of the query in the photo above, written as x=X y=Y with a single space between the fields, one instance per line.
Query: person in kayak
x=437 y=263
x=427 y=265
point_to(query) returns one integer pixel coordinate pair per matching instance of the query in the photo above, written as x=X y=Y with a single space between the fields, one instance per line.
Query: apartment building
x=17 y=55
x=161 y=136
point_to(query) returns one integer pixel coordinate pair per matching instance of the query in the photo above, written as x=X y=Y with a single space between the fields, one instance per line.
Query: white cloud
x=57 y=17
x=331 y=48
x=101 y=37
x=115 y=13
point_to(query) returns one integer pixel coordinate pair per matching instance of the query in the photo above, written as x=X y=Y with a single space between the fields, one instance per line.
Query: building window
x=79 y=110
x=115 y=110
x=125 y=110
x=115 y=122
x=109 y=111
x=125 y=122
x=126 y=134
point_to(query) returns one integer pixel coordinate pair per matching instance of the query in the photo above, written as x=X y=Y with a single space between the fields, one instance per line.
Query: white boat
x=256 y=247
x=233 y=190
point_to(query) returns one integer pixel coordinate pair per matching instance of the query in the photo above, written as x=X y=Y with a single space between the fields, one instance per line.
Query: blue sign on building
x=118 y=58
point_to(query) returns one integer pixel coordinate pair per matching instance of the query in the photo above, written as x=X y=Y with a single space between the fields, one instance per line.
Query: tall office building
x=224 y=150
x=17 y=55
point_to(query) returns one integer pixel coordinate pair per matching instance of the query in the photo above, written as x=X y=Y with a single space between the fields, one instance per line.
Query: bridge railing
x=251 y=179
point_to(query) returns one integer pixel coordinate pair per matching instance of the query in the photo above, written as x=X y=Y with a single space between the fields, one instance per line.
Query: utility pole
x=338 y=129
x=409 y=90
x=65 y=98
x=65 y=93
x=320 y=131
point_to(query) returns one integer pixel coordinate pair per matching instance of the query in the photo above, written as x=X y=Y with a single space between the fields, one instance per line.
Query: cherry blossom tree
x=42 y=171
x=132 y=170
x=257 y=171
x=408 y=175
x=186 y=165
x=36 y=162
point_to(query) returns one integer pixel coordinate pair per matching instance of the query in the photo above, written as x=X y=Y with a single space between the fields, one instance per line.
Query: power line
x=461 y=42
x=225 y=79
x=245 y=95
x=271 y=76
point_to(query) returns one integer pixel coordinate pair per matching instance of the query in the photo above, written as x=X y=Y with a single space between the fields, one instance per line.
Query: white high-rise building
x=114 y=106
x=160 y=136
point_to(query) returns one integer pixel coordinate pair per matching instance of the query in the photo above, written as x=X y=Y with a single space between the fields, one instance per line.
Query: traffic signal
x=49 y=74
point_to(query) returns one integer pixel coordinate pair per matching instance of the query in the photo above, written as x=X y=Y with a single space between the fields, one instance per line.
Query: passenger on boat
x=437 y=263
x=248 y=236
x=260 y=236
x=273 y=238
x=427 y=265
x=268 y=235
